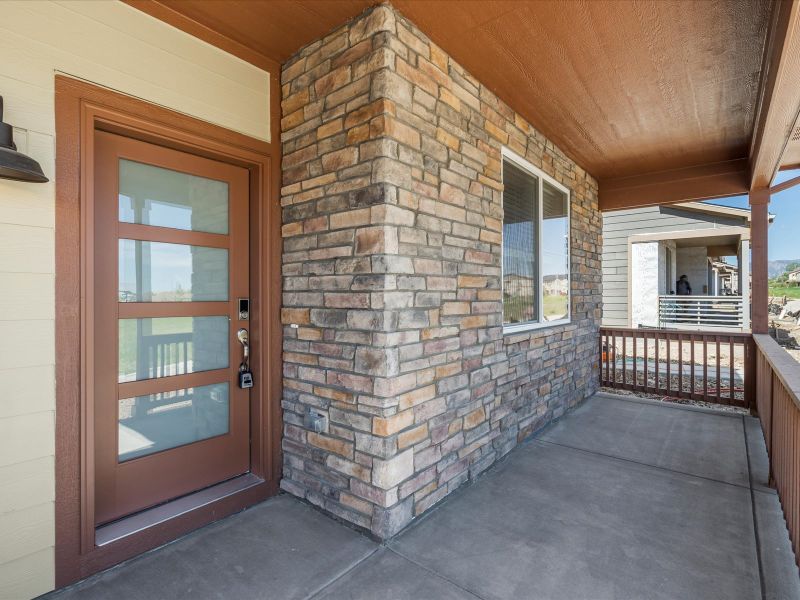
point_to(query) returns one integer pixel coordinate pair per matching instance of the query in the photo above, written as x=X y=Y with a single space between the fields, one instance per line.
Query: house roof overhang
x=715 y=209
x=662 y=102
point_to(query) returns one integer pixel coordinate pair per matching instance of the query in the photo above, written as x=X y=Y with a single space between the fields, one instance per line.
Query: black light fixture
x=15 y=165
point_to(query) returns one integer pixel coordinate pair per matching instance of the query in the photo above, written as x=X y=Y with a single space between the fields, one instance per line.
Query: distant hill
x=777 y=267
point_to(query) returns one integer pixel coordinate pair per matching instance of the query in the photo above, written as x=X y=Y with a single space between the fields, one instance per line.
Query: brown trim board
x=81 y=108
x=779 y=94
x=703 y=182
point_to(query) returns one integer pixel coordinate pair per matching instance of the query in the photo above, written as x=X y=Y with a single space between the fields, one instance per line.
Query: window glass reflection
x=151 y=195
x=555 y=254
x=166 y=346
x=520 y=208
x=161 y=272
x=156 y=422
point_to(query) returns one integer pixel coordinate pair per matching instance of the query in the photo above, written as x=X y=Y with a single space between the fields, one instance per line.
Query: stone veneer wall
x=392 y=212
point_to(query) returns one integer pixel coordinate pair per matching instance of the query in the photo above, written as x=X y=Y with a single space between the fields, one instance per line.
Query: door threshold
x=112 y=532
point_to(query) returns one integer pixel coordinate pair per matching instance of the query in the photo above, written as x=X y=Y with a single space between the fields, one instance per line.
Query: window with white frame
x=536 y=277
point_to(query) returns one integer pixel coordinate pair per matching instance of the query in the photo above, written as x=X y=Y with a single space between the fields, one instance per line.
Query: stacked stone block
x=392 y=222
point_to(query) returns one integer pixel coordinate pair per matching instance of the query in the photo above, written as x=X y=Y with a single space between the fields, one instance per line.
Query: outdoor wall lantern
x=15 y=165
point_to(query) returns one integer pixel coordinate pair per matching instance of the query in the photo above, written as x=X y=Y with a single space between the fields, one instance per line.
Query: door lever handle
x=244 y=339
x=245 y=375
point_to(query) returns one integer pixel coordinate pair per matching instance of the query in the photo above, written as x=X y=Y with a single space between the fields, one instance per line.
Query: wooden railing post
x=750 y=375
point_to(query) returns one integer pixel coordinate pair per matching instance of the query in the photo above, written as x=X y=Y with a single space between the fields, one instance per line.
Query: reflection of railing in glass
x=166 y=346
x=164 y=355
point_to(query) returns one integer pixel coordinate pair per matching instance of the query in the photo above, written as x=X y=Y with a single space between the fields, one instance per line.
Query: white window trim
x=541 y=176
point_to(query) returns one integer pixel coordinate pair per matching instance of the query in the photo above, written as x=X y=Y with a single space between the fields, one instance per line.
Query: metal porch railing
x=701 y=312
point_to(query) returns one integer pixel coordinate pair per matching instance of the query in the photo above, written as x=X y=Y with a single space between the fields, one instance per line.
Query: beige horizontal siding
x=26 y=480
x=115 y=46
x=26 y=390
x=28 y=575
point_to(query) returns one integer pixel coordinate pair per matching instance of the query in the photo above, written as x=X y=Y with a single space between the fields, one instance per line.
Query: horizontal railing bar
x=687 y=305
x=694 y=311
x=693 y=297
x=666 y=325
x=658 y=332
x=710 y=318
x=668 y=306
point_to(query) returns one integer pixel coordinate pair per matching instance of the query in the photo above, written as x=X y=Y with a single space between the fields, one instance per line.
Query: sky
x=784 y=235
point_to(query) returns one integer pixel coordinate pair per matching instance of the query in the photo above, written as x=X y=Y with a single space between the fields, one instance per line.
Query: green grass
x=515 y=307
x=555 y=306
x=789 y=291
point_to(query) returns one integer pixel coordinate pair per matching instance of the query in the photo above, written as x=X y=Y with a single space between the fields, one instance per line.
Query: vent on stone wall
x=796 y=134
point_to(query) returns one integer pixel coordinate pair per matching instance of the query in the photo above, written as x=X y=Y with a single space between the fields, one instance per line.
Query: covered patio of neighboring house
x=268 y=256
x=646 y=250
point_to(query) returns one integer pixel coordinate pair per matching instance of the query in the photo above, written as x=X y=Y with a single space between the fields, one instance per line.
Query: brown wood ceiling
x=624 y=87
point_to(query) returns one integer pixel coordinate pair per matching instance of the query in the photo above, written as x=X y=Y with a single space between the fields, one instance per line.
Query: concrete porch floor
x=619 y=499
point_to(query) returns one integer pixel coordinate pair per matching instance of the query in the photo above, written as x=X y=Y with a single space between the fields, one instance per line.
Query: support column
x=743 y=283
x=759 y=211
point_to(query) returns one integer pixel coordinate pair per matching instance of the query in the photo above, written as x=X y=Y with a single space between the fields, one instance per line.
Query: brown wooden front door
x=171 y=256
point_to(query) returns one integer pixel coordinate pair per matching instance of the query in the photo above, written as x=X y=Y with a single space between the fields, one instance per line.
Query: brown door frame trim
x=81 y=108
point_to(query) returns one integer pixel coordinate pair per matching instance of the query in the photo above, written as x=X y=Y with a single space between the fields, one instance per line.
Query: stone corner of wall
x=392 y=301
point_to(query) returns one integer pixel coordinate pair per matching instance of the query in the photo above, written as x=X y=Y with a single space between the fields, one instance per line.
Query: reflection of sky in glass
x=555 y=230
x=174 y=267
x=554 y=246
x=172 y=272
x=162 y=197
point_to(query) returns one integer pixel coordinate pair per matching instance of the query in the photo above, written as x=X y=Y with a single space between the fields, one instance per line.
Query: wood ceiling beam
x=779 y=96
x=789 y=183
x=703 y=182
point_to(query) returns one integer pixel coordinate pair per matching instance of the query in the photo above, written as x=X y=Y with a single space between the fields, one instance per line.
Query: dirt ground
x=684 y=401
x=785 y=331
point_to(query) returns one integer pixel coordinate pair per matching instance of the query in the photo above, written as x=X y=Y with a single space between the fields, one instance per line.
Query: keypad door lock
x=244 y=309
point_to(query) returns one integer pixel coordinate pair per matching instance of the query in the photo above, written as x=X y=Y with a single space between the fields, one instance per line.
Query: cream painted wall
x=644 y=284
x=693 y=262
x=114 y=45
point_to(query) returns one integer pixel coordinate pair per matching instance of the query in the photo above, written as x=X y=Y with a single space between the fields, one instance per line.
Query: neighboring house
x=723 y=278
x=793 y=276
x=556 y=285
x=646 y=250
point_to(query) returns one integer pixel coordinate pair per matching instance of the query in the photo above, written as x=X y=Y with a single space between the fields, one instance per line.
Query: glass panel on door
x=151 y=195
x=162 y=272
x=156 y=422
x=167 y=346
